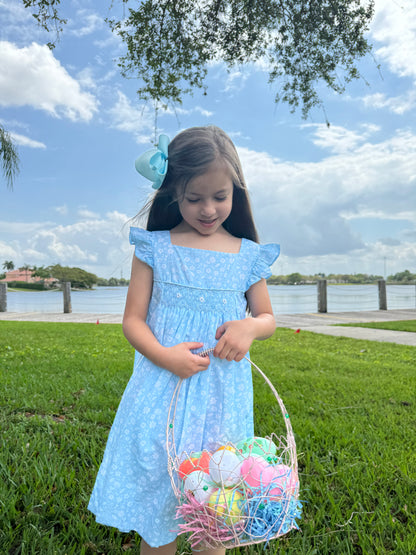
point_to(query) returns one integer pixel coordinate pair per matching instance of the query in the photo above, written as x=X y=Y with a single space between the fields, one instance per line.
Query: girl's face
x=207 y=200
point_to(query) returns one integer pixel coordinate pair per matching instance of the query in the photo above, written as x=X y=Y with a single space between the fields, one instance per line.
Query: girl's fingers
x=220 y=331
x=231 y=355
x=218 y=350
x=192 y=345
x=228 y=353
x=205 y=362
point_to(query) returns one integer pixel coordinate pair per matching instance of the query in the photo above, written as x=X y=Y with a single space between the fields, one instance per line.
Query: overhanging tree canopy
x=303 y=43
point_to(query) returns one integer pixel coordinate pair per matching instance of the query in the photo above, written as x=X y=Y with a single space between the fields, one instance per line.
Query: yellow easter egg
x=227 y=447
x=227 y=504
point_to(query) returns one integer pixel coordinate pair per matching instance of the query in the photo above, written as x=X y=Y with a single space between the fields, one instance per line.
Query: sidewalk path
x=324 y=323
x=317 y=323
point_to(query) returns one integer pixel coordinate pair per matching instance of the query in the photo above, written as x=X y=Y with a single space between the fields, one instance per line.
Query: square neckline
x=204 y=250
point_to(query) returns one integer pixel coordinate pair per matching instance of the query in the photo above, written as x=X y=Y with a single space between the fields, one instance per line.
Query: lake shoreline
x=286 y=299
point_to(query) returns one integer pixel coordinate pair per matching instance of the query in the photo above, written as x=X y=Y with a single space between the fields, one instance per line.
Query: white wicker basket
x=239 y=494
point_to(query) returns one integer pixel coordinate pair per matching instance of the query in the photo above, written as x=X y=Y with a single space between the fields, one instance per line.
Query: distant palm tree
x=9 y=158
x=8 y=265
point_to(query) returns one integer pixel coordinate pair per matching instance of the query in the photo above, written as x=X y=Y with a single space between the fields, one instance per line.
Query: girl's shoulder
x=138 y=235
x=262 y=258
x=268 y=252
x=145 y=243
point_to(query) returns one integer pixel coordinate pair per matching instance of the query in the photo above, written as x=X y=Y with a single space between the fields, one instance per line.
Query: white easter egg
x=198 y=483
x=224 y=467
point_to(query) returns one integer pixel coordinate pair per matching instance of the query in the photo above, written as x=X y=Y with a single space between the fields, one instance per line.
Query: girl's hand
x=234 y=339
x=182 y=362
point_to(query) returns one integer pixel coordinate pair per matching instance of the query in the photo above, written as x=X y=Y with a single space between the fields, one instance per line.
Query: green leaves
x=163 y=49
x=320 y=42
x=47 y=16
x=78 y=277
x=9 y=158
x=171 y=43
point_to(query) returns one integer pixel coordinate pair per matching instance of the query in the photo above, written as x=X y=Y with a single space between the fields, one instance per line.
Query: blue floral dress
x=194 y=292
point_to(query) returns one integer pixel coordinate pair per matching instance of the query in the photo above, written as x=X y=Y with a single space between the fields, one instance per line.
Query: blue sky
x=339 y=199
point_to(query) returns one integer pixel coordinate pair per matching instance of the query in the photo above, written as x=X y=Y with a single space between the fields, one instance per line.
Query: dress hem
x=124 y=530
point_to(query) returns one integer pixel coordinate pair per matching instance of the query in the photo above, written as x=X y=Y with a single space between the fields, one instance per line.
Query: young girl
x=196 y=270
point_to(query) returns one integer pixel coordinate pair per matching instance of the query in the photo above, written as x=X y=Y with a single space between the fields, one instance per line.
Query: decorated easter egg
x=197 y=461
x=262 y=446
x=252 y=469
x=227 y=504
x=285 y=481
x=198 y=484
x=224 y=467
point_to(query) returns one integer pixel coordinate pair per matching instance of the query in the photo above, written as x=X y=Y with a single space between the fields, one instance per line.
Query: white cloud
x=187 y=111
x=236 y=78
x=86 y=214
x=140 y=119
x=370 y=259
x=63 y=210
x=86 y=78
x=90 y=23
x=7 y=252
x=99 y=245
x=203 y=112
x=137 y=120
x=236 y=135
x=311 y=207
x=394 y=27
x=339 y=139
x=25 y=141
x=369 y=212
x=24 y=229
x=32 y=76
x=17 y=21
x=396 y=104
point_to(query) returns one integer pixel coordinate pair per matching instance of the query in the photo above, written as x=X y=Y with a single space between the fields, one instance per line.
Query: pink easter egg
x=252 y=469
x=285 y=480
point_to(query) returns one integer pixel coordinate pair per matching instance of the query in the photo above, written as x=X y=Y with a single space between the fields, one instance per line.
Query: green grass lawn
x=399 y=325
x=353 y=410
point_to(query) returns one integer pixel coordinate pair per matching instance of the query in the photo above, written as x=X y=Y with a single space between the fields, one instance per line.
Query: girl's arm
x=235 y=337
x=177 y=359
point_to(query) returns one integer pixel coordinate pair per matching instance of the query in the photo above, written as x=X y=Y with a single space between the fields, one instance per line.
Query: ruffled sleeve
x=143 y=242
x=266 y=255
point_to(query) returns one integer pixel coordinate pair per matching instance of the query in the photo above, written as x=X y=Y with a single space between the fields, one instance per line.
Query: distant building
x=26 y=275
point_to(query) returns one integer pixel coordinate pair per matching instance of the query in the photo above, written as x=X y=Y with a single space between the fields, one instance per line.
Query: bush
x=79 y=278
x=38 y=286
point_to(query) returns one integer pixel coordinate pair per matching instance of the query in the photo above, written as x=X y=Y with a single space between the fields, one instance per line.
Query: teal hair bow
x=153 y=164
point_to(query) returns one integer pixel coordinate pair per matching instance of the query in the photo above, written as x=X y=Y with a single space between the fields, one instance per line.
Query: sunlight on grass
x=352 y=407
x=398 y=325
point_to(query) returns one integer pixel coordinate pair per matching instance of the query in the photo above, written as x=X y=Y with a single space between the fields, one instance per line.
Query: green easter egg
x=257 y=446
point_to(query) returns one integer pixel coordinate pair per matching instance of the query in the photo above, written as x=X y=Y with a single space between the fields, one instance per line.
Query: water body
x=286 y=299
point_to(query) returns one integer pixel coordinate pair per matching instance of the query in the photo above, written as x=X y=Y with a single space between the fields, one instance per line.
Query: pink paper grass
x=203 y=526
